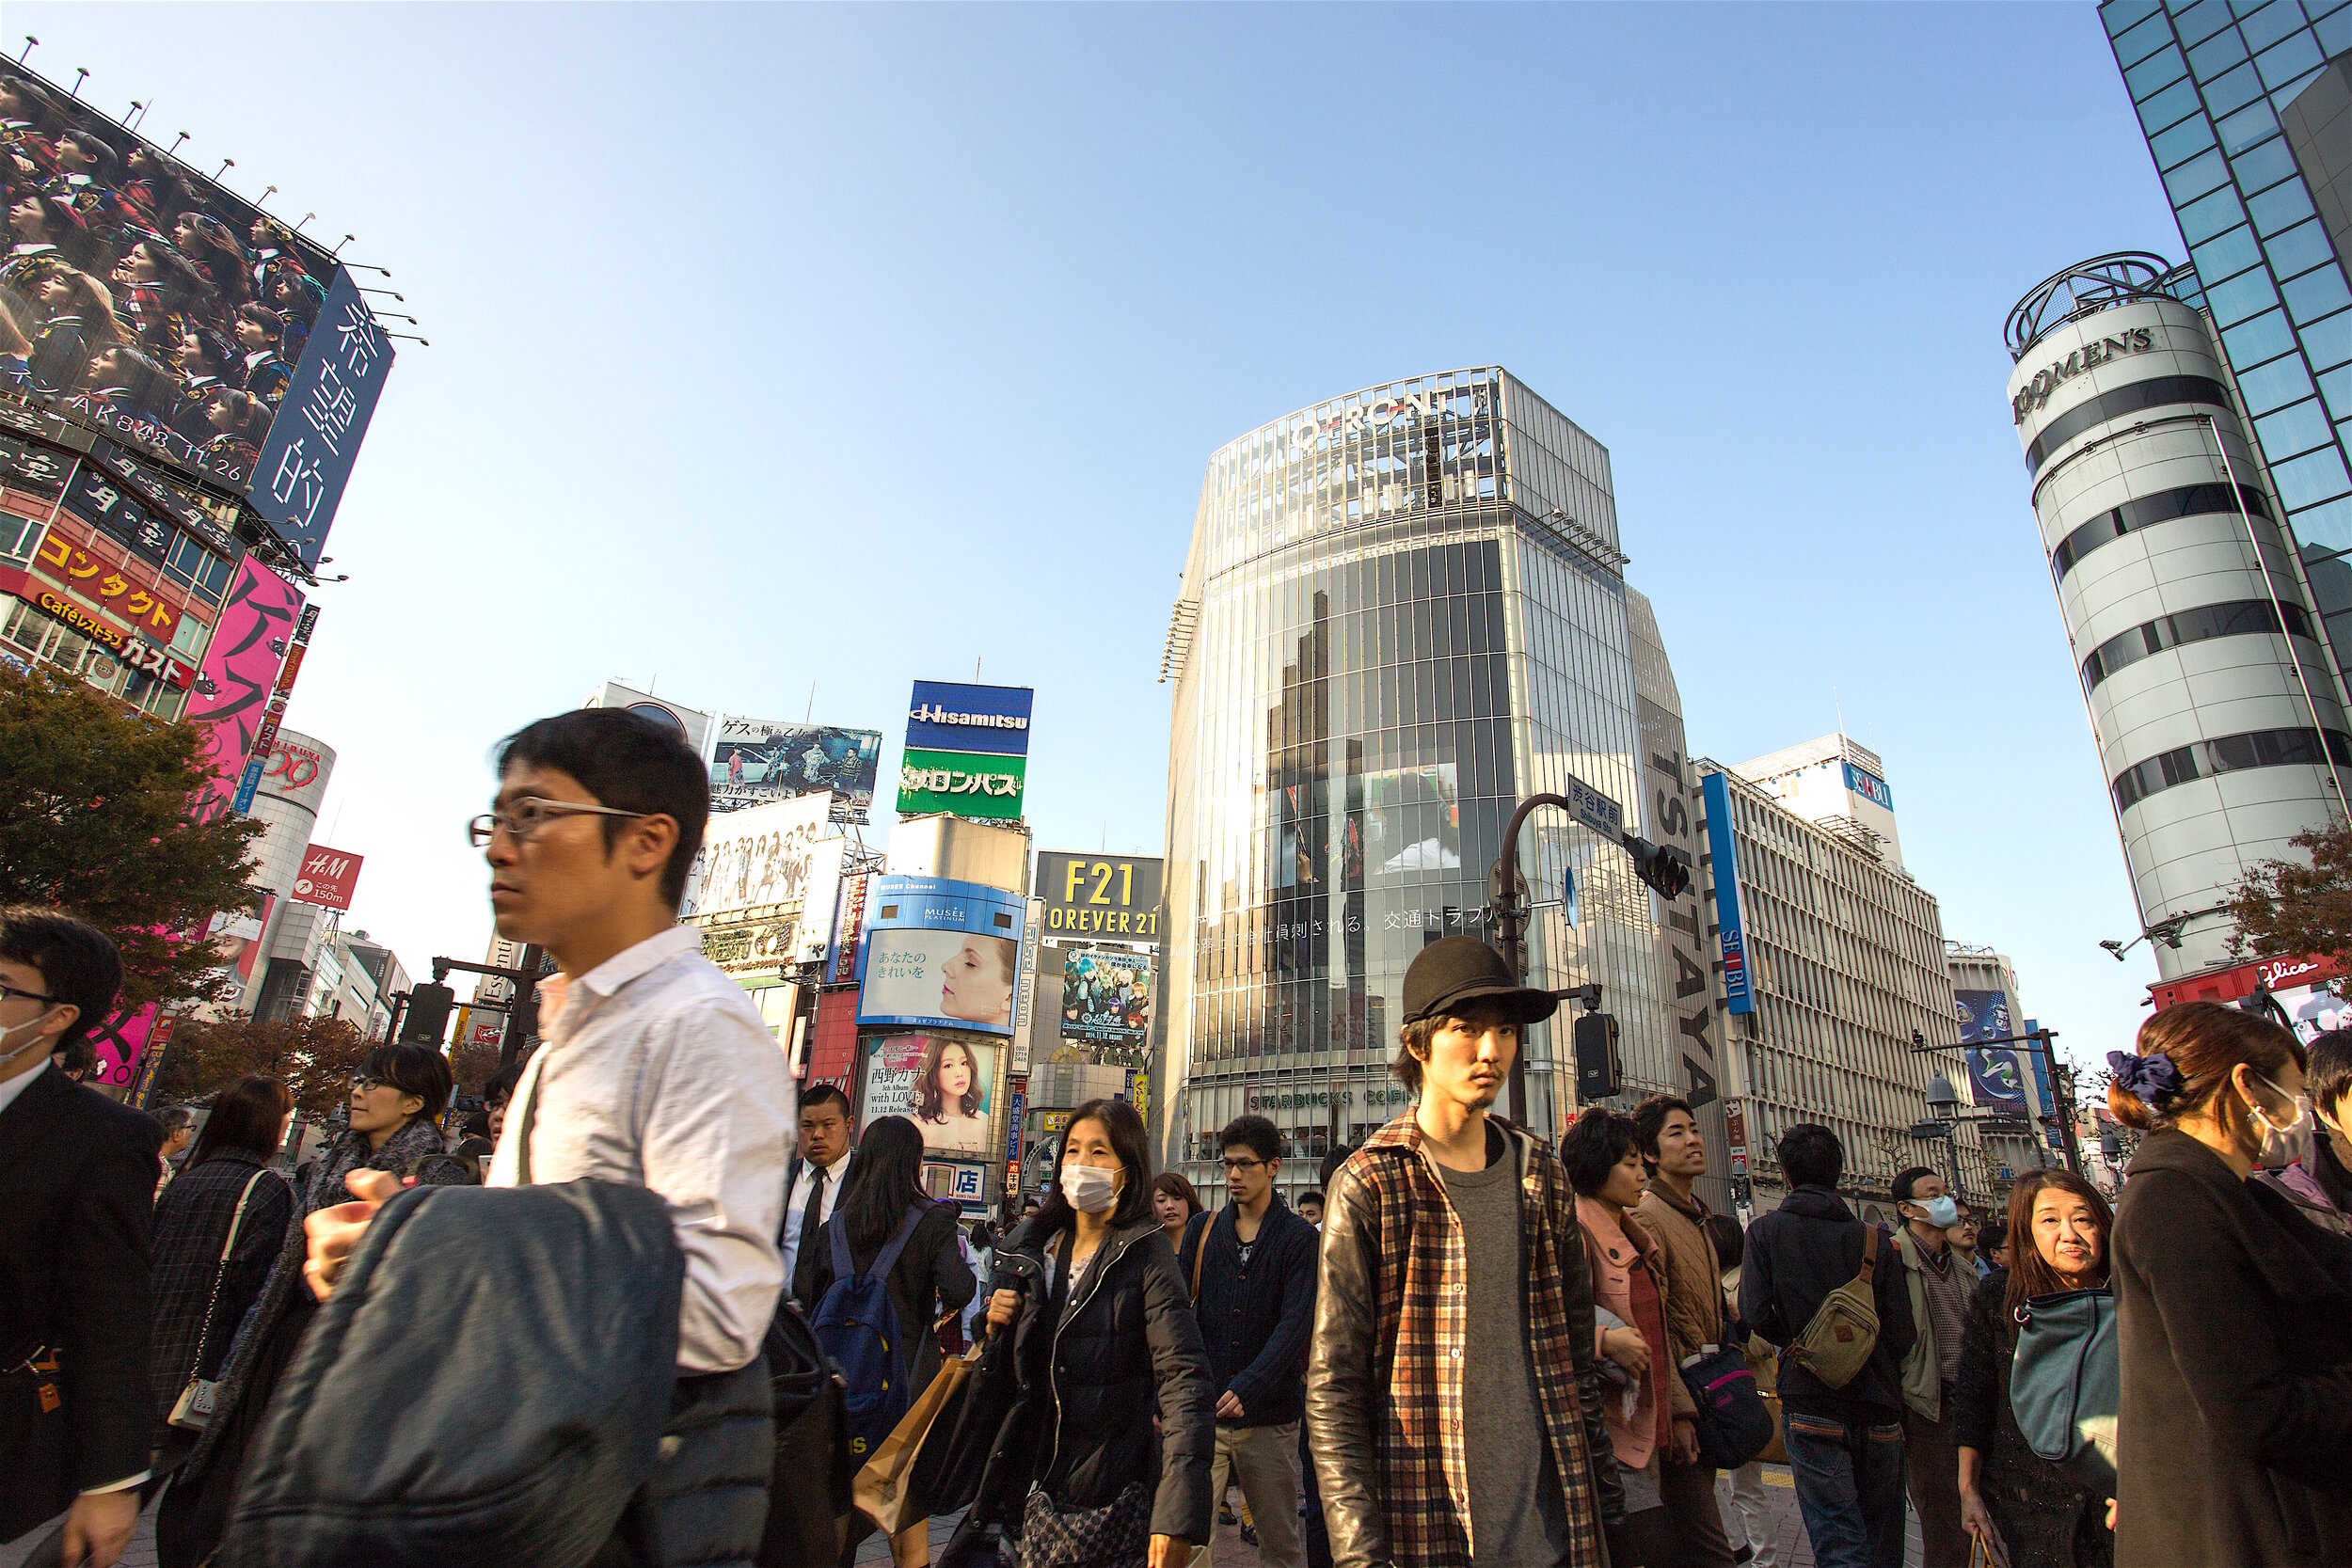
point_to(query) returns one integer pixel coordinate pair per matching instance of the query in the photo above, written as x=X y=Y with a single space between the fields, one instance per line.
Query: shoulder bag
x=1844 y=1330
x=2065 y=1383
x=192 y=1410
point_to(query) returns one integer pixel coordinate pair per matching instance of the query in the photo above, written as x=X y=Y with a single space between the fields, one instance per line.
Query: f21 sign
x=327 y=877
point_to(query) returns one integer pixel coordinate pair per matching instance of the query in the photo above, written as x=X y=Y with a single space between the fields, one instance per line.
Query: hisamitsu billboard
x=948 y=716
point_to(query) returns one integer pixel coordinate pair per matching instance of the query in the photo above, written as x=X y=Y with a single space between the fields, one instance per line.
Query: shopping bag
x=883 y=1489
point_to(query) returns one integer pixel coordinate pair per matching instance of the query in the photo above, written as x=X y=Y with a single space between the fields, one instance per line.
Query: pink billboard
x=122 y=1040
x=232 y=690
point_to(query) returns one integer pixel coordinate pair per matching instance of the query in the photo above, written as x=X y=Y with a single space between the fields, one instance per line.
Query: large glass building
x=1402 y=610
x=2247 y=110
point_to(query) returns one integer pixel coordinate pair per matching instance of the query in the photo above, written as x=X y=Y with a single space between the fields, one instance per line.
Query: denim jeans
x=1850 y=1489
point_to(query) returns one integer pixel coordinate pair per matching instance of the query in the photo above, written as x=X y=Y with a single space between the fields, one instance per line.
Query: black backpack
x=486 y=1385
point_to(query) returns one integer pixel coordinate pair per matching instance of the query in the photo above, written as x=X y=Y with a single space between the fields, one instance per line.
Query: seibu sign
x=2132 y=339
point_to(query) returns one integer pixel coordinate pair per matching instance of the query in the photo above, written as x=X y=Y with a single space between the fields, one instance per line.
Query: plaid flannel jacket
x=1397 y=1391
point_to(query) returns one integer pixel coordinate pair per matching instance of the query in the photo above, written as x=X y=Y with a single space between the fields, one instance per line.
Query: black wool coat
x=2234 y=1319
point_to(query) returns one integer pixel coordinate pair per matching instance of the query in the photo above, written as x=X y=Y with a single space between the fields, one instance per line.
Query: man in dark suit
x=77 y=1187
x=814 y=1182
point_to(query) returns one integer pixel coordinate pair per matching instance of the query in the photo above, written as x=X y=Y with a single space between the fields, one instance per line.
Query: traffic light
x=427 y=1018
x=1599 y=1074
x=1667 y=870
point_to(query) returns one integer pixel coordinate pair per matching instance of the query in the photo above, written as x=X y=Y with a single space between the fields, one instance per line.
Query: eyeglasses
x=9 y=994
x=1237 y=1166
x=527 y=816
x=363 y=1082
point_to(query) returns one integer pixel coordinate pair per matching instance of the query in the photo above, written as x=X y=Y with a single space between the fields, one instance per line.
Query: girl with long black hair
x=929 y=1280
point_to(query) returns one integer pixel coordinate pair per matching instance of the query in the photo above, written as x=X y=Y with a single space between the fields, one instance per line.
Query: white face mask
x=8 y=1038
x=1090 y=1189
x=2283 y=1142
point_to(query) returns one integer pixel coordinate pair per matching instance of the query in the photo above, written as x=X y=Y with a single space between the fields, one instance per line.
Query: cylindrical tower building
x=2216 y=715
x=1402 y=610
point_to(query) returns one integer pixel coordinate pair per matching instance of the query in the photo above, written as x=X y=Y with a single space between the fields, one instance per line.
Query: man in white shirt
x=656 y=1069
x=819 y=1172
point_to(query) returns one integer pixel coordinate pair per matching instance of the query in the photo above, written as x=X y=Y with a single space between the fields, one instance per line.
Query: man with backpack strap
x=1822 y=1285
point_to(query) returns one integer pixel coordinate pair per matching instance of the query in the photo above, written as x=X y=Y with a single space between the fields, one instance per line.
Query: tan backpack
x=1845 y=1328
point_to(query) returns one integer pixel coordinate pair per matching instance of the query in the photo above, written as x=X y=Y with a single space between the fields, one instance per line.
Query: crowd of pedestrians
x=1464 y=1347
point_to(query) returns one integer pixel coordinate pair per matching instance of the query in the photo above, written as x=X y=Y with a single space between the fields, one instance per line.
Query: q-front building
x=1402 y=610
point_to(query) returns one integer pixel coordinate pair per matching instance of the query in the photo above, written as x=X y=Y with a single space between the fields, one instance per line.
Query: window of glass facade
x=2237 y=74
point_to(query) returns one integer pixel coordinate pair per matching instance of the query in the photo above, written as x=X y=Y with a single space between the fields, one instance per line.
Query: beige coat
x=1695 y=1294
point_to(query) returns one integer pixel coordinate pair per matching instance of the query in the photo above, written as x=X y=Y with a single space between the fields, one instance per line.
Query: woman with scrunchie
x=2233 y=1313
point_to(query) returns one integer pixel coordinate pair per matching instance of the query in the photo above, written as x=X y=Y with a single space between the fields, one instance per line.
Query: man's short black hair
x=1811 y=1156
x=824 y=1094
x=77 y=963
x=500 y=1091
x=630 y=762
x=1331 y=1164
x=417 y=1070
x=1596 y=1141
x=2330 y=1076
x=1907 y=1181
x=1310 y=1196
x=1651 y=1116
x=1253 y=1133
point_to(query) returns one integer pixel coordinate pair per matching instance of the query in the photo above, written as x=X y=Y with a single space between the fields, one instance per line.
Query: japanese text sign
x=327 y=877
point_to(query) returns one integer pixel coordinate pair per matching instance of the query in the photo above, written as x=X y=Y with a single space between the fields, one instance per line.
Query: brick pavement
x=1791 y=1548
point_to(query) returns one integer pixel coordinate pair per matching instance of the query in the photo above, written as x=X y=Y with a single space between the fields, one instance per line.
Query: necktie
x=813 y=1214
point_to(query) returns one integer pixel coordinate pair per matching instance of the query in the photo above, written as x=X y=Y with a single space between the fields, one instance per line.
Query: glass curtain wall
x=1386 y=648
x=2212 y=82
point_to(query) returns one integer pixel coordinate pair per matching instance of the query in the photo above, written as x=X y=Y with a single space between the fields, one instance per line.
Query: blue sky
x=773 y=346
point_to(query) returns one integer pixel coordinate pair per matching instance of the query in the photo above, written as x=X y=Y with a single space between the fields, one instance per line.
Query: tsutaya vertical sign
x=1666 y=806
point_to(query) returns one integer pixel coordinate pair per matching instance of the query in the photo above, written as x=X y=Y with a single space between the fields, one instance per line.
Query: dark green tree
x=94 y=821
x=314 y=1057
x=2292 y=908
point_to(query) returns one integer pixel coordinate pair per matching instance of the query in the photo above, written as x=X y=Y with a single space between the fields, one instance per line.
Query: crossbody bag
x=192 y=1410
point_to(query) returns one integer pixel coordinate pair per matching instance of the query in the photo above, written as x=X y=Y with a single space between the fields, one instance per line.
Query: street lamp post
x=2061 y=1083
x=1665 y=869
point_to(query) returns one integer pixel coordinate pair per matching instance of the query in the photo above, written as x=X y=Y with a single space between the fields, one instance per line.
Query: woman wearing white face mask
x=2233 y=1313
x=2317 y=1184
x=1103 y=1336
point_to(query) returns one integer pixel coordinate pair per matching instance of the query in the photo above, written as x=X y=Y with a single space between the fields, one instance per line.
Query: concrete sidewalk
x=1790 y=1548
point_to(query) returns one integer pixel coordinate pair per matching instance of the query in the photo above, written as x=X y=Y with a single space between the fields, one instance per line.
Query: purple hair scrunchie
x=2152 y=1079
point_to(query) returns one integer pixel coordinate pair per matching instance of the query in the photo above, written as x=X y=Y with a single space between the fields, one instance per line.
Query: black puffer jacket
x=1125 y=1347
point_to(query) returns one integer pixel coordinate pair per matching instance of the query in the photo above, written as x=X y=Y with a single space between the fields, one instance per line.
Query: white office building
x=1832 y=969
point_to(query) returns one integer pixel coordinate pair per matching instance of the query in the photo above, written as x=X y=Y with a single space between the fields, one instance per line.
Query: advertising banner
x=848 y=928
x=232 y=692
x=940 y=953
x=950 y=716
x=962 y=783
x=694 y=724
x=121 y=1040
x=1870 y=787
x=758 y=858
x=242 y=352
x=326 y=878
x=1739 y=995
x=2315 y=1008
x=1106 y=995
x=945 y=1083
x=1100 y=896
x=961 y=1182
x=758 y=760
x=1996 y=1081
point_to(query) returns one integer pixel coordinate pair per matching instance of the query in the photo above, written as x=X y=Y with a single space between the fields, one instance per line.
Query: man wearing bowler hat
x=1454 y=1401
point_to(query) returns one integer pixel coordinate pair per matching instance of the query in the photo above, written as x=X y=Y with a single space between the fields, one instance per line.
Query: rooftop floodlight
x=81 y=74
x=226 y=164
x=29 y=42
x=175 y=146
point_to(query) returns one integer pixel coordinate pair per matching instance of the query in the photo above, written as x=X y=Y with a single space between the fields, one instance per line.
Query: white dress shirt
x=659 y=1072
x=833 y=1177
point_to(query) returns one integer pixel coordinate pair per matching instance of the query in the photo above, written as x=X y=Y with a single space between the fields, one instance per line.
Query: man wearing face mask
x=78 y=1183
x=1937 y=1285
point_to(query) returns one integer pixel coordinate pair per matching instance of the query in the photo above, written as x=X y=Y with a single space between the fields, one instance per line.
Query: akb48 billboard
x=139 y=297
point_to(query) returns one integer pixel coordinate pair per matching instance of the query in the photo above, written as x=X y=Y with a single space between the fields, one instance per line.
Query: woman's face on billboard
x=973 y=985
x=955 y=1073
